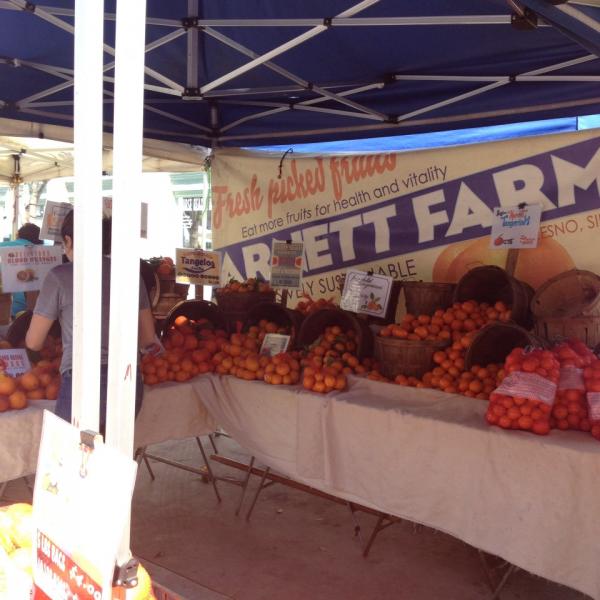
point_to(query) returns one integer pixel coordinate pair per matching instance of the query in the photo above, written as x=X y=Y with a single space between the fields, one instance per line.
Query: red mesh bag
x=526 y=395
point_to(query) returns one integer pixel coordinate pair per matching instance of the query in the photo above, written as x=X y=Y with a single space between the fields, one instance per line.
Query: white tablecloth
x=20 y=432
x=169 y=412
x=429 y=457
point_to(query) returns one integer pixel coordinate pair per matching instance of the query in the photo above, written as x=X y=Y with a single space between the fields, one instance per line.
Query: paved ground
x=296 y=547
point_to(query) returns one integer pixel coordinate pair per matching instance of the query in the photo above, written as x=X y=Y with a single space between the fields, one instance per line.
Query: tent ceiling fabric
x=45 y=152
x=256 y=72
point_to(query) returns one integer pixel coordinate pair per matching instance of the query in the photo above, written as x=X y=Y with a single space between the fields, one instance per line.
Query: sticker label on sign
x=593 y=399
x=528 y=385
x=571 y=378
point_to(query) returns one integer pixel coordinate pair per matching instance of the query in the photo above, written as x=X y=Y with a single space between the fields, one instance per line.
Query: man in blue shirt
x=27 y=234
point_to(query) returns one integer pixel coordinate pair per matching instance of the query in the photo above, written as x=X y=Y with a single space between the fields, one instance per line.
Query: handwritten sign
x=74 y=549
x=54 y=215
x=274 y=343
x=198 y=267
x=365 y=293
x=24 y=267
x=14 y=361
x=286 y=264
x=516 y=226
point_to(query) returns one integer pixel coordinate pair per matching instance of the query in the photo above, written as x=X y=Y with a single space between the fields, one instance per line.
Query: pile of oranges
x=42 y=382
x=308 y=306
x=189 y=349
x=449 y=324
x=249 y=285
x=323 y=379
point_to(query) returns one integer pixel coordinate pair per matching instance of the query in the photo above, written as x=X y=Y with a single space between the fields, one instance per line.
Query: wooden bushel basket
x=277 y=313
x=407 y=357
x=196 y=310
x=568 y=306
x=315 y=323
x=494 y=342
x=490 y=284
x=237 y=305
x=425 y=297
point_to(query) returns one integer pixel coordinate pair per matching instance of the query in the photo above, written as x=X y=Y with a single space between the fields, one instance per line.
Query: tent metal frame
x=214 y=92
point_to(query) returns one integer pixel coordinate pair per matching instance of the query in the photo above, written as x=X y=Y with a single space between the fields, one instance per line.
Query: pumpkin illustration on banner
x=534 y=266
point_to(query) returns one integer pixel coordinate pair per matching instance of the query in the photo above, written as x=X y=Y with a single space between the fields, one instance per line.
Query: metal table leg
x=213 y=481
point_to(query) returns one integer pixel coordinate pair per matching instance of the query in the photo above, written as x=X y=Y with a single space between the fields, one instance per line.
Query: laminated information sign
x=14 y=361
x=274 y=343
x=24 y=267
x=81 y=505
x=516 y=226
x=198 y=267
x=366 y=293
x=54 y=215
x=286 y=264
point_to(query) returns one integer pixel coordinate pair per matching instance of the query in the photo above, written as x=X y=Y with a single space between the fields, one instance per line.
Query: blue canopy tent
x=261 y=72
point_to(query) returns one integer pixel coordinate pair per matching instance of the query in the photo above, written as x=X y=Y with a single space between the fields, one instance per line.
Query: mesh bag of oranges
x=526 y=395
x=570 y=409
x=591 y=377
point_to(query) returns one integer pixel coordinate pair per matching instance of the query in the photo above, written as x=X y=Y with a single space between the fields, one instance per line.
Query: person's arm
x=147 y=332
x=37 y=332
x=44 y=314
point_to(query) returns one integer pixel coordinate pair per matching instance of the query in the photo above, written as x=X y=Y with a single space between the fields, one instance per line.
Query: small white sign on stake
x=24 y=267
x=516 y=226
x=366 y=293
x=75 y=482
x=286 y=264
x=274 y=343
x=14 y=361
x=54 y=215
x=197 y=267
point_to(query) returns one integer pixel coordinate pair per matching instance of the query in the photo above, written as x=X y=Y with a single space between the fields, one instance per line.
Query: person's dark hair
x=30 y=232
x=67 y=226
x=67 y=229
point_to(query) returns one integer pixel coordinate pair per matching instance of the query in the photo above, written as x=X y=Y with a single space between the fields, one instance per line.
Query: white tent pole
x=125 y=266
x=87 y=265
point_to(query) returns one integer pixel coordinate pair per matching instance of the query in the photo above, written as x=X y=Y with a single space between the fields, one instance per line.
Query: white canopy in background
x=46 y=151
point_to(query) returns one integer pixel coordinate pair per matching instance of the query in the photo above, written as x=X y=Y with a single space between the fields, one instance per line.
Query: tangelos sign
x=413 y=215
x=197 y=267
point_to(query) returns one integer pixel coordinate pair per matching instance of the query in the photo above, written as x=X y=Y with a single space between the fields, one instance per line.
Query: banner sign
x=516 y=226
x=24 y=267
x=423 y=215
x=366 y=293
x=75 y=550
x=198 y=267
x=286 y=265
x=14 y=361
x=54 y=215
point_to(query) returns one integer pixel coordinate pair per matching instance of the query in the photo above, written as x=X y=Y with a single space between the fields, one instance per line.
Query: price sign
x=274 y=343
x=516 y=226
x=24 y=267
x=14 y=361
x=366 y=293
x=286 y=264
x=198 y=267
x=75 y=484
x=54 y=215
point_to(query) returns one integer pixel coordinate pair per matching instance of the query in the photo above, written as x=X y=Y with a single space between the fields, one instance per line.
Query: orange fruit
x=37 y=394
x=17 y=400
x=4 y=403
x=7 y=385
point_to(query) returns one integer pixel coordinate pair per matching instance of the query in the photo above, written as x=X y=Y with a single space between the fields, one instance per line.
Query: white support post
x=125 y=265
x=87 y=263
